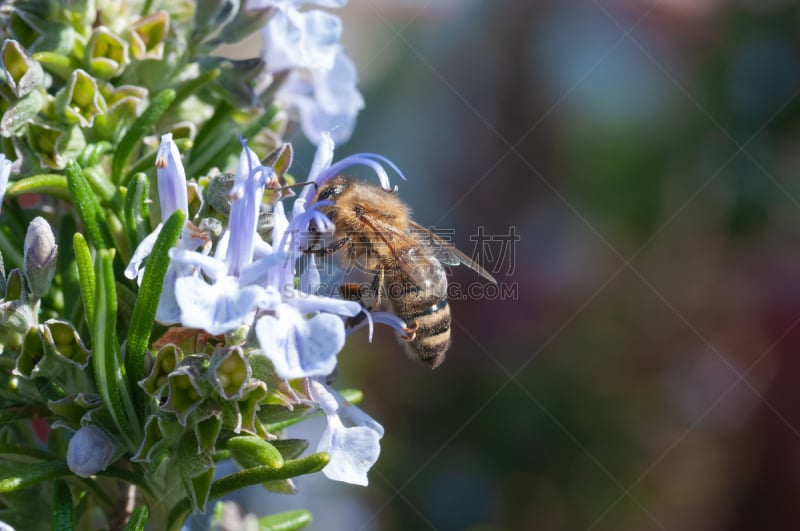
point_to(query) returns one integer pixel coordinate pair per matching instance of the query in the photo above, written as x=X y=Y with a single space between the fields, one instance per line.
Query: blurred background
x=628 y=170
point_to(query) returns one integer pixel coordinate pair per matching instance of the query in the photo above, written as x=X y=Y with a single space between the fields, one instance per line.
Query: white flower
x=354 y=447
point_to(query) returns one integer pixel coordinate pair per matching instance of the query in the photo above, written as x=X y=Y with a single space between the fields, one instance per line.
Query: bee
x=374 y=233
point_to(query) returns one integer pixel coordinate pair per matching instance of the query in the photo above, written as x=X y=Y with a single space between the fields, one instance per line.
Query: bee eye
x=358 y=210
x=326 y=193
x=332 y=190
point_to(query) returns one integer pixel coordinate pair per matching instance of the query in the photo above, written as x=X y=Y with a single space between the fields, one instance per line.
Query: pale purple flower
x=351 y=437
x=324 y=99
x=90 y=451
x=297 y=345
x=172 y=195
x=231 y=298
x=321 y=88
x=301 y=39
x=171 y=178
x=5 y=173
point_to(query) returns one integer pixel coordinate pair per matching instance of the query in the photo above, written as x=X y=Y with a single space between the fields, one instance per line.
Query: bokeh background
x=644 y=374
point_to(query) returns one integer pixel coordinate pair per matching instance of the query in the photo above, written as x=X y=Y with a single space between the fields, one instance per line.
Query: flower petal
x=300 y=347
x=295 y=39
x=212 y=267
x=171 y=178
x=310 y=279
x=168 y=311
x=142 y=251
x=216 y=308
x=353 y=451
x=308 y=303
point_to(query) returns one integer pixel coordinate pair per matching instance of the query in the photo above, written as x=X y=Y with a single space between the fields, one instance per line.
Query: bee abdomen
x=432 y=337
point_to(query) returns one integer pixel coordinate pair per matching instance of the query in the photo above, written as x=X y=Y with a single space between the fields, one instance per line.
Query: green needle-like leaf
x=138 y=129
x=63 y=511
x=138 y=519
x=88 y=207
x=86 y=276
x=285 y=521
x=20 y=475
x=46 y=183
x=144 y=312
x=260 y=474
x=109 y=371
x=136 y=210
x=251 y=451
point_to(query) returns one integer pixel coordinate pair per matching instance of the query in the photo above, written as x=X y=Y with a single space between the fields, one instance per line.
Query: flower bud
x=90 y=451
x=171 y=178
x=229 y=372
x=63 y=340
x=53 y=146
x=106 y=54
x=185 y=393
x=23 y=73
x=165 y=362
x=40 y=256
x=148 y=34
x=248 y=406
x=80 y=100
x=123 y=107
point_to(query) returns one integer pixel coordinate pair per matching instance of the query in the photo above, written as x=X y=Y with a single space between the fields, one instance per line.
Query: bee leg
x=334 y=246
x=410 y=332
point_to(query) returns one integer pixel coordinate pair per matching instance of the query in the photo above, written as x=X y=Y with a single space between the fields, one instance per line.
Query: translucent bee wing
x=446 y=253
x=414 y=257
x=425 y=271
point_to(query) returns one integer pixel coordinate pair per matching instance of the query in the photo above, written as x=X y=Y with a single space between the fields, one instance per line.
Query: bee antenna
x=288 y=186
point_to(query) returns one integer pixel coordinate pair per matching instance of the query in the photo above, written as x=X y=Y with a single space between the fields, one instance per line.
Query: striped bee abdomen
x=432 y=335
